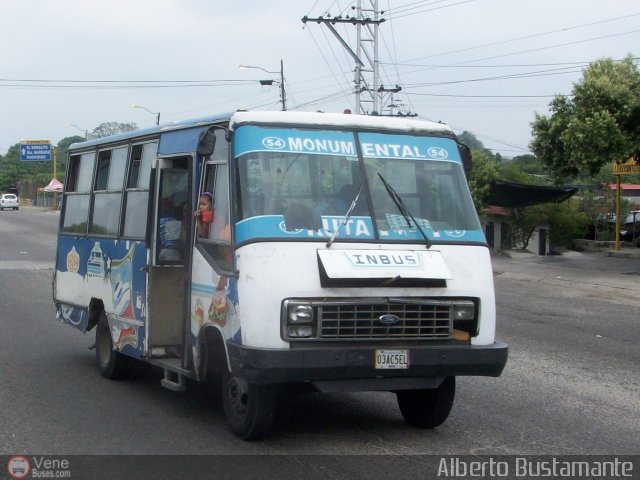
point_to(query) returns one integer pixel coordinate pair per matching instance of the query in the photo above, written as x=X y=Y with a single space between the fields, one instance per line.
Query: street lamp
x=269 y=82
x=157 y=114
x=81 y=129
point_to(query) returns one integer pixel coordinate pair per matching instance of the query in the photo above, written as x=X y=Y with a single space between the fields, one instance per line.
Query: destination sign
x=35 y=151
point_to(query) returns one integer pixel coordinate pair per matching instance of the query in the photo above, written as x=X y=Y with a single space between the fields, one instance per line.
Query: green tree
x=9 y=168
x=63 y=149
x=111 y=128
x=599 y=124
x=566 y=222
x=26 y=176
x=528 y=164
x=524 y=222
x=471 y=141
x=485 y=169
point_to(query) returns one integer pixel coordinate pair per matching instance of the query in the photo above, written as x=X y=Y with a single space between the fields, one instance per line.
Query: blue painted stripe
x=202 y=288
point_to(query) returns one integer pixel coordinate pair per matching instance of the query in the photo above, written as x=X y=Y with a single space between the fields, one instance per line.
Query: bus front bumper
x=353 y=368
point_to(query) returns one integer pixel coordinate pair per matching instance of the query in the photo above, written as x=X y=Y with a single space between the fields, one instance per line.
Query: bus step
x=173 y=381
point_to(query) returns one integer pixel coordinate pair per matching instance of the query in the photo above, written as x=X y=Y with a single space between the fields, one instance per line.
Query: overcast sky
x=84 y=62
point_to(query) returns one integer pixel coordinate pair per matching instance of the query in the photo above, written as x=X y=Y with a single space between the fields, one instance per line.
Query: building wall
x=497 y=228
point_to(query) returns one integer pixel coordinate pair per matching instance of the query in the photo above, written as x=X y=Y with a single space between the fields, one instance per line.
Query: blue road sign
x=35 y=151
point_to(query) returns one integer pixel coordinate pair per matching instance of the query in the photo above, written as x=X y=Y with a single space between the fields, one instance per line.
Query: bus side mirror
x=207 y=142
x=465 y=155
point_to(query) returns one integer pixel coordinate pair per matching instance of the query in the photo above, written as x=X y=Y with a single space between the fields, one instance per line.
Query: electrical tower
x=371 y=96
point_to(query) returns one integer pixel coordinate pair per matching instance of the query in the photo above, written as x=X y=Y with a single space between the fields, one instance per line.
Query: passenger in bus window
x=204 y=214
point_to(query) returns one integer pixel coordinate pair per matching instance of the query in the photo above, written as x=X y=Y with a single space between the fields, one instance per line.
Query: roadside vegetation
x=576 y=145
x=28 y=176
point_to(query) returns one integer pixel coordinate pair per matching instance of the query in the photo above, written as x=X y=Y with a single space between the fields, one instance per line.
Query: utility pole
x=282 y=91
x=55 y=175
x=367 y=68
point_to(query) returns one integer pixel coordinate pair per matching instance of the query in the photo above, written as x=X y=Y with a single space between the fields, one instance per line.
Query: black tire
x=248 y=408
x=427 y=408
x=111 y=363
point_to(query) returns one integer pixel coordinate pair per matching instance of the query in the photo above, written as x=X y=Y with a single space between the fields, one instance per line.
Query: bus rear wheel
x=248 y=408
x=427 y=408
x=111 y=363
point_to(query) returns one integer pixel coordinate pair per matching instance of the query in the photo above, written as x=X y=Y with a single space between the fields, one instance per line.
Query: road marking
x=24 y=265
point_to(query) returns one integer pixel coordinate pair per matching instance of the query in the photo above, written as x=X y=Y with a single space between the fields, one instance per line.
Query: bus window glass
x=72 y=174
x=76 y=214
x=135 y=220
x=296 y=183
x=149 y=151
x=136 y=210
x=117 y=168
x=218 y=242
x=172 y=216
x=85 y=172
x=220 y=223
x=134 y=170
x=221 y=150
x=310 y=191
x=106 y=214
x=102 y=172
x=433 y=190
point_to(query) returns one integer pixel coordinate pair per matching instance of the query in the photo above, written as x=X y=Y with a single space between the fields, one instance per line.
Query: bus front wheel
x=430 y=407
x=248 y=408
x=111 y=363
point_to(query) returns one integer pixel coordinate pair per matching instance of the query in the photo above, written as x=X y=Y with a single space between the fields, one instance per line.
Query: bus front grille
x=432 y=320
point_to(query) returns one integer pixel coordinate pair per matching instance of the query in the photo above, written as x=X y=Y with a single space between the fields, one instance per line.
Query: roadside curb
x=624 y=253
x=565 y=283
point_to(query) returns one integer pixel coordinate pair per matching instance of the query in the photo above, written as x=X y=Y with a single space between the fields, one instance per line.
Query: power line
x=35 y=80
x=485 y=96
x=328 y=64
x=493 y=139
x=504 y=65
x=539 y=73
x=553 y=46
x=436 y=8
x=526 y=37
x=117 y=84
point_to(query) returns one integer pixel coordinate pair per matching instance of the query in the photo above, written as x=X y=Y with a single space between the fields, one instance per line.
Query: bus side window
x=108 y=192
x=218 y=242
x=78 y=193
x=171 y=222
x=137 y=191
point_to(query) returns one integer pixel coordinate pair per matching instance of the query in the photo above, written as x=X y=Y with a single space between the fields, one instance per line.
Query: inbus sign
x=35 y=151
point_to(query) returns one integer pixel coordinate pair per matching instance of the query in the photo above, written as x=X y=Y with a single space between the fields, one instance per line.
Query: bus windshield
x=301 y=183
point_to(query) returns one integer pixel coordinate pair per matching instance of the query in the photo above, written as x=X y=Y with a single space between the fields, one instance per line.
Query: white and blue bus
x=343 y=253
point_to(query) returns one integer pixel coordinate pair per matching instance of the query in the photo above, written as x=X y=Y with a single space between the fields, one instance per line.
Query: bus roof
x=320 y=119
x=289 y=118
x=167 y=127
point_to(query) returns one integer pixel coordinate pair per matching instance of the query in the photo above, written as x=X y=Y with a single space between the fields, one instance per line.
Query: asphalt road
x=571 y=385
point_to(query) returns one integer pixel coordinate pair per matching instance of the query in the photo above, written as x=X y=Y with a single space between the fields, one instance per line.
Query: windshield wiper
x=346 y=217
x=404 y=210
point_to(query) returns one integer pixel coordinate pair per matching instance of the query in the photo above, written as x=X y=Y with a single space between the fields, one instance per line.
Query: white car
x=9 y=200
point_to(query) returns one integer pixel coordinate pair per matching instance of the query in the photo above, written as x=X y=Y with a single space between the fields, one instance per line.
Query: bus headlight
x=300 y=314
x=464 y=317
x=298 y=320
x=299 y=331
x=464 y=311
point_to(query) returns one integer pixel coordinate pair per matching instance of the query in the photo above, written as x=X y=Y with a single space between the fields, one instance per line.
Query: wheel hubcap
x=238 y=395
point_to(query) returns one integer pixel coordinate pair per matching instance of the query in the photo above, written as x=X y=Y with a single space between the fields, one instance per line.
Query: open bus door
x=170 y=243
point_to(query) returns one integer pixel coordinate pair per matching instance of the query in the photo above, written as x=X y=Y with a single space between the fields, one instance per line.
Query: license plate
x=392 y=359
